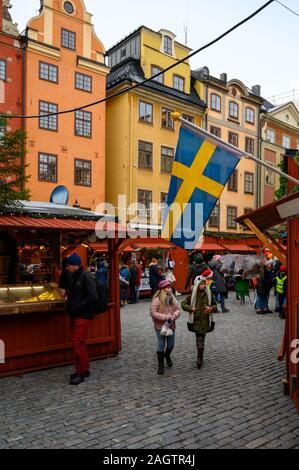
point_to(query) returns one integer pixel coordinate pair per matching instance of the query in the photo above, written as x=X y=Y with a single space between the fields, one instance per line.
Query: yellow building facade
x=141 y=137
x=233 y=115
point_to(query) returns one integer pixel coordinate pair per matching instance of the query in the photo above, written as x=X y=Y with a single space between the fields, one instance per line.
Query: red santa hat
x=208 y=274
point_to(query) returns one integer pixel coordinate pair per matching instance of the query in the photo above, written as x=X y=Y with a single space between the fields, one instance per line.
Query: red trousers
x=79 y=332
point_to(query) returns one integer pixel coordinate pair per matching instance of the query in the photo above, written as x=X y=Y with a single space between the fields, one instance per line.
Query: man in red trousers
x=81 y=298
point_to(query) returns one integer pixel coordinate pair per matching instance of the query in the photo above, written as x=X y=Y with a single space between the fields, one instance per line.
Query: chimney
x=223 y=77
x=256 y=90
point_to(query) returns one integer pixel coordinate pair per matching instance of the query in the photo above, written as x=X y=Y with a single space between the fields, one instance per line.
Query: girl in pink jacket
x=164 y=308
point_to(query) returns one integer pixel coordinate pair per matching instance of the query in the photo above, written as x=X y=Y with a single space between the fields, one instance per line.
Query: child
x=200 y=305
x=164 y=308
x=281 y=289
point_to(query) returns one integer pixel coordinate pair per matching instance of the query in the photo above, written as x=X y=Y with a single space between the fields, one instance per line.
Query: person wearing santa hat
x=200 y=305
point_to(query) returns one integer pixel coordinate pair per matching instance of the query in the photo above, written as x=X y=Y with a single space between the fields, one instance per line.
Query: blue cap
x=74 y=260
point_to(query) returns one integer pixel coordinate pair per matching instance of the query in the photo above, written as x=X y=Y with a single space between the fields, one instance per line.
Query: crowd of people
x=205 y=281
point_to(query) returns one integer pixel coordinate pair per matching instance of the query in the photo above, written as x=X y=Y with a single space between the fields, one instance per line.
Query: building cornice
x=43 y=49
x=281 y=124
x=92 y=66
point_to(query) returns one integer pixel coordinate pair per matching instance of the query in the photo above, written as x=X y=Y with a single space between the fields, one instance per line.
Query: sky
x=264 y=51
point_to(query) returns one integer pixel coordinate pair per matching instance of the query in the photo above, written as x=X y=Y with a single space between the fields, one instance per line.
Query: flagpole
x=178 y=117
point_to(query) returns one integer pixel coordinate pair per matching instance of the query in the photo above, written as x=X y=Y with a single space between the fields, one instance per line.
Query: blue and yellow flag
x=202 y=166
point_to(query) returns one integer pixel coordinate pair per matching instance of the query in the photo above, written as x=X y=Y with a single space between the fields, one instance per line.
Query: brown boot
x=199 y=357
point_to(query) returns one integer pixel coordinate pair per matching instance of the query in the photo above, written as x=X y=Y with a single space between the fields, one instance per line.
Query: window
x=178 y=83
x=82 y=172
x=154 y=71
x=249 y=145
x=215 y=102
x=2 y=131
x=233 y=182
x=248 y=183
x=123 y=53
x=68 y=8
x=167 y=45
x=144 y=197
x=286 y=141
x=216 y=131
x=3 y=67
x=83 y=82
x=188 y=118
x=231 y=215
x=47 y=167
x=167 y=121
x=214 y=220
x=48 y=72
x=68 y=39
x=145 y=155
x=145 y=112
x=48 y=122
x=249 y=115
x=233 y=139
x=83 y=123
x=271 y=136
x=269 y=176
x=167 y=155
x=163 y=199
x=233 y=110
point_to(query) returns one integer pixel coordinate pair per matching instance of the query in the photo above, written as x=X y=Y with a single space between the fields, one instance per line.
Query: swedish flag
x=202 y=166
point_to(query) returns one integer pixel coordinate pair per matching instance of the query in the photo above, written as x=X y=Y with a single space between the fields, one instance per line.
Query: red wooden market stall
x=34 y=324
x=260 y=221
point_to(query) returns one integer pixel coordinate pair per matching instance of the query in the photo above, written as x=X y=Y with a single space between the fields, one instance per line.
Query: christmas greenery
x=12 y=170
x=283 y=188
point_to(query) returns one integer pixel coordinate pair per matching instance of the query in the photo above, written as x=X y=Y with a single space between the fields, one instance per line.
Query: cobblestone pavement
x=235 y=401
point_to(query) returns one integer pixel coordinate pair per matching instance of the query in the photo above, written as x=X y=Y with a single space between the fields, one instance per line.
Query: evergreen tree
x=12 y=172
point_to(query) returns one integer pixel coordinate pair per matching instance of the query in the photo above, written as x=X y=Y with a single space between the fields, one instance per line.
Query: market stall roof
x=23 y=222
x=238 y=247
x=40 y=208
x=103 y=247
x=274 y=213
x=209 y=247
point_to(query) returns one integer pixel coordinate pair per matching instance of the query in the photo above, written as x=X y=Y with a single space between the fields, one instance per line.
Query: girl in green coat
x=200 y=305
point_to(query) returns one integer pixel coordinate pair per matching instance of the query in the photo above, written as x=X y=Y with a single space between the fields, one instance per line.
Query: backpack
x=102 y=303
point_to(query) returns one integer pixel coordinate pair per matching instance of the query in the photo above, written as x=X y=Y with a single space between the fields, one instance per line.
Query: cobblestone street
x=235 y=401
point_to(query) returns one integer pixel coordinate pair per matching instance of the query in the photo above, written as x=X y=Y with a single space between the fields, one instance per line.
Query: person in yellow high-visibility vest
x=281 y=289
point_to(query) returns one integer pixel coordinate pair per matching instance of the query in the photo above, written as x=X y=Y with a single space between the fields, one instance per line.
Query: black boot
x=199 y=357
x=168 y=359
x=160 y=362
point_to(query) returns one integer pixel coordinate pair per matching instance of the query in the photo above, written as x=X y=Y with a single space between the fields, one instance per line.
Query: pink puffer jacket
x=160 y=318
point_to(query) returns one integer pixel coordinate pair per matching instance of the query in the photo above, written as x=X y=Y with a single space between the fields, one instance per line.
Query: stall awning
x=238 y=247
x=103 y=247
x=273 y=214
x=22 y=222
x=206 y=246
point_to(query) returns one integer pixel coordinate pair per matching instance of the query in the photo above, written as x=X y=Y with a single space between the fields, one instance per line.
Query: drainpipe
x=259 y=168
x=23 y=47
x=207 y=103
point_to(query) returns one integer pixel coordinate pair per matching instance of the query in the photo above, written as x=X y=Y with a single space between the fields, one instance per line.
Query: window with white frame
x=167 y=45
x=269 y=175
x=233 y=110
x=167 y=121
x=232 y=213
x=3 y=67
x=249 y=115
x=178 y=83
x=286 y=141
x=271 y=136
x=154 y=70
x=145 y=155
x=214 y=219
x=167 y=155
x=145 y=198
x=215 y=102
x=145 y=112
x=188 y=118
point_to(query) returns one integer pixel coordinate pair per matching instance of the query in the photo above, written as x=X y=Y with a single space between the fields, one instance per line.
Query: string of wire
x=121 y=92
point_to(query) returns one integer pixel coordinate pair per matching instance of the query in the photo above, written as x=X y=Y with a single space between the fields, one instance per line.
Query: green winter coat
x=201 y=321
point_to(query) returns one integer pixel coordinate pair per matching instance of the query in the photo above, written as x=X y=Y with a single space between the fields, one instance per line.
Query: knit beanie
x=74 y=260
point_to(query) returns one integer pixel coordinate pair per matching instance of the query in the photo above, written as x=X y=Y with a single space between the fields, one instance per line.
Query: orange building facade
x=65 y=69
